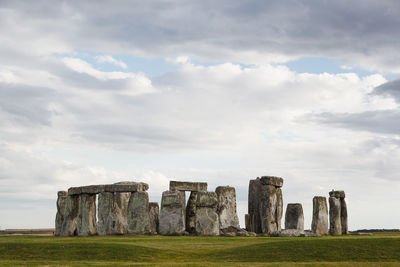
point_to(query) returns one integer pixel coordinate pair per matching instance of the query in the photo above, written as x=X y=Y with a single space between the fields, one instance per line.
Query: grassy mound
x=375 y=250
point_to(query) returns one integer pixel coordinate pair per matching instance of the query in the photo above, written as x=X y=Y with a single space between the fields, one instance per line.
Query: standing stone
x=191 y=213
x=87 y=215
x=335 y=225
x=70 y=221
x=112 y=213
x=320 y=216
x=138 y=213
x=279 y=208
x=254 y=223
x=268 y=204
x=61 y=211
x=343 y=216
x=172 y=214
x=294 y=218
x=154 y=215
x=207 y=222
x=265 y=205
x=227 y=207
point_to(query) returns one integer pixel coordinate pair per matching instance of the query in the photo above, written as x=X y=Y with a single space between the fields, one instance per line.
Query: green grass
x=377 y=250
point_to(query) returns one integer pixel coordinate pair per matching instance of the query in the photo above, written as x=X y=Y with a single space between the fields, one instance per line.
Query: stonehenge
x=294 y=218
x=124 y=208
x=265 y=205
x=337 y=213
x=319 y=223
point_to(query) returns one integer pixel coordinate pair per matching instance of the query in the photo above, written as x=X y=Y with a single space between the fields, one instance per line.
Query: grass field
x=377 y=250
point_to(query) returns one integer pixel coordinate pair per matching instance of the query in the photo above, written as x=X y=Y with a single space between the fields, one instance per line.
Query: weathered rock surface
x=253 y=219
x=335 y=224
x=343 y=216
x=265 y=205
x=191 y=213
x=117 y=187
x=138 y=213
x=288 y=233
x=113 y=213
x=207 y=222
x=61 y=211
x=154 y=216
x=227 y=207
x=70 y=218
x=271 y=180
x=172 y=213
x=187 y=186
x=294 y=217
x=320 y=216
x=87 y=215
x=337 y=194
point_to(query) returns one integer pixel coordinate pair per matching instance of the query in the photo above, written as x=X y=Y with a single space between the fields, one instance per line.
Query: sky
x=95 y=92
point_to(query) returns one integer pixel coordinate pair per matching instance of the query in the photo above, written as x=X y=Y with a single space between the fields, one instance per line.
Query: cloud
x=110 y=59
x=364 y=34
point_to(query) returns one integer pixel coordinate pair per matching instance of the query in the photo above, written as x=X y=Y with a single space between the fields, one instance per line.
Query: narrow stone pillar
x=294 y=217
x=61 y=211
x=279 y=208
x=227 y=207
x=172 y=213
x=335 y=225
x=343 y=216
x=138 y=213
x=191 y=213
x=70 y=220
x=253 y=221
x=320 y=216
x=87 y=215
x=207 y=222
x=154 y=215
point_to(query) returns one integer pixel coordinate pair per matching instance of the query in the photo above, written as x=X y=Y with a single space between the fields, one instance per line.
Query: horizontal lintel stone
x=96 y=189
x=187 y=186
x=271 y=180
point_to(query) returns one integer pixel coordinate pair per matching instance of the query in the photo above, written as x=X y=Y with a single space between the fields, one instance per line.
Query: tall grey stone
x=87 y=215
x=335 y=224
x=207 y=221
x=61 y=211
x=320 y=216
x=265 y=205
x=112 y=213
x=294 y=217
x=172 y=213
x=191 y=213
x=154 y=215
x=138 y=213
x=343 y=216
x=70 y=220
x=227 y=207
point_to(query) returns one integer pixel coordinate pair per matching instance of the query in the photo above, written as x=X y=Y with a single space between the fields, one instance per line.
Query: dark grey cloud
x=27 y=105
x=361 y=33
x=377 y=121
x=391 y=89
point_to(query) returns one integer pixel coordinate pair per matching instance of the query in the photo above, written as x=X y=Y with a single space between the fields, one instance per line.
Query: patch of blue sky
x=151 y=67
x=318 y=65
